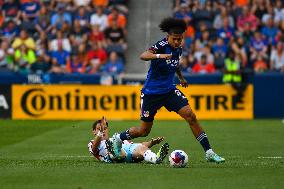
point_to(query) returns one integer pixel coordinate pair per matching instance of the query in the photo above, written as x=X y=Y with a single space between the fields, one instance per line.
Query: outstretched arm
x=150 y=55
x=100 y=135
x=182 y=80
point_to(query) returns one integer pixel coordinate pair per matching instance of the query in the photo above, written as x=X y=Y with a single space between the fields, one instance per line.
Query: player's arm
x=182 y=80
x=150 y=55
x=97 y=140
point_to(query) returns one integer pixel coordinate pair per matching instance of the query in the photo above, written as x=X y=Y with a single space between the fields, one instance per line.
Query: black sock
x=125 y=135
x=202 y=138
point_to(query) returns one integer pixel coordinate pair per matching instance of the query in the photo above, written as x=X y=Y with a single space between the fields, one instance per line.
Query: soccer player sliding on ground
x=159 y=89
x=101 y=147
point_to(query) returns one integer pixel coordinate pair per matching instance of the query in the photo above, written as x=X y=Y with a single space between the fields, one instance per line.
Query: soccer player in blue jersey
x=159 y=89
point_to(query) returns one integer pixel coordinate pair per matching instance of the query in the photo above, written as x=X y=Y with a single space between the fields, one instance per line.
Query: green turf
x=53 y=154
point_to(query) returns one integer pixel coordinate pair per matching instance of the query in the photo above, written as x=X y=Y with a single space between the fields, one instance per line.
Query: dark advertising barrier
x=269 y=95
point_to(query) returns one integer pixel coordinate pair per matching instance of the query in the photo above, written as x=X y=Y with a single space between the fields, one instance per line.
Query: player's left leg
x=178 y=102
x=187 y=113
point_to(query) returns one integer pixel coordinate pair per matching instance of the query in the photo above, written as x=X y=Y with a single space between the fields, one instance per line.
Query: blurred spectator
x=277 y=58
x=219 y=19
x=185 y=66
x=258 y=47
x=97 y=36
x=41 y=66
x=120 y=4
x=203 y=67
x=24 y=57
x=278 y=11
x=11 y=11
x=82 y=16
x=117 y=17
x=115 y=39
x=99 y=18
x=96 y=57
x=60 y=57
x=183 y=13
x=260 y=8
x=6 y=56
x=226 y=32
x=247 y=17
x=79 y=3
x=114 y=66
x=233 y=74
x=24 y=39
x=203 y=14
x=60 y=40
x=75 y=65
x=100 y=3
x=239 y=47
x=189 y=36
x=219 y=50
x=241 y=3
x=9 y=31
x=42 y=22
x=78 y=35
x=270 y=31
x=30 y=9
x=60 y=16
x=260 y=65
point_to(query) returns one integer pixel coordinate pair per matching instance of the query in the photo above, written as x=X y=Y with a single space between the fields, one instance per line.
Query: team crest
x=146 y=113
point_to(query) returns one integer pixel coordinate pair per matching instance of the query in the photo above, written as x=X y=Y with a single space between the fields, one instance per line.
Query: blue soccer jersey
x=160 y=77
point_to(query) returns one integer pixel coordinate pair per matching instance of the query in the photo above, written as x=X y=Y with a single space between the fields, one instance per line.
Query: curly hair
x=173 y=25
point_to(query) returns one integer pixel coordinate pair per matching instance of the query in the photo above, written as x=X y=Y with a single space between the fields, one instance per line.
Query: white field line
x=271 y=157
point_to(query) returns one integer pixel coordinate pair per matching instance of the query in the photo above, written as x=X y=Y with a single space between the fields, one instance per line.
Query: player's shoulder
x=159 y=46
x=163 y=42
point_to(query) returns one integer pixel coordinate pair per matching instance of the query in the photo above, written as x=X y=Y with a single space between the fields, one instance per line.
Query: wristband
x=158 y=55
x=100 y=134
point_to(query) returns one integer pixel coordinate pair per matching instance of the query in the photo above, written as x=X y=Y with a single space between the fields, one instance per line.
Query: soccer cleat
x=117 y=144
x=109 y=146
x=162 y=153
x=213 y=157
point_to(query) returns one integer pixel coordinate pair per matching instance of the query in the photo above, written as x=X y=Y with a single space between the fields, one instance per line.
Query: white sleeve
x=90 y=147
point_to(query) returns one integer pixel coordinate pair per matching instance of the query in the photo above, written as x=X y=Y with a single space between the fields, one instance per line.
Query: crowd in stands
x=248 y=31
x=63 y=36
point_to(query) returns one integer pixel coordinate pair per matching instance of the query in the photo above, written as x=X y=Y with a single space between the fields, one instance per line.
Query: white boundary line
x=272 y=157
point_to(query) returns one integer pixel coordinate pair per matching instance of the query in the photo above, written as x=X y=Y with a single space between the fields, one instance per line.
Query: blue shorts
x=129 y=149
x=151 y=103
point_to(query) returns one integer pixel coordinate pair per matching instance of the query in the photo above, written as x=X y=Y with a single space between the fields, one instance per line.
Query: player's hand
x=166 y=56
x=155 y=141
x=104 y=123
x=183 y=83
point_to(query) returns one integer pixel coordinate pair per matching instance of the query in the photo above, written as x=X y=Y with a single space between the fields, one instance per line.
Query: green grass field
x=53 y=154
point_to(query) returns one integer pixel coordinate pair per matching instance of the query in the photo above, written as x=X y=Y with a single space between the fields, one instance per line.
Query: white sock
x=150 y=156
x=209 y=152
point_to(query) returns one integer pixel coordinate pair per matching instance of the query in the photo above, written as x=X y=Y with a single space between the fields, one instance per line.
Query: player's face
x=175 y=40
x=98 y=127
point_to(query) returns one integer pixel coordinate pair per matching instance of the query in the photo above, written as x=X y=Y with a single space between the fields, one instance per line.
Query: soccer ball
x=178 y=158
